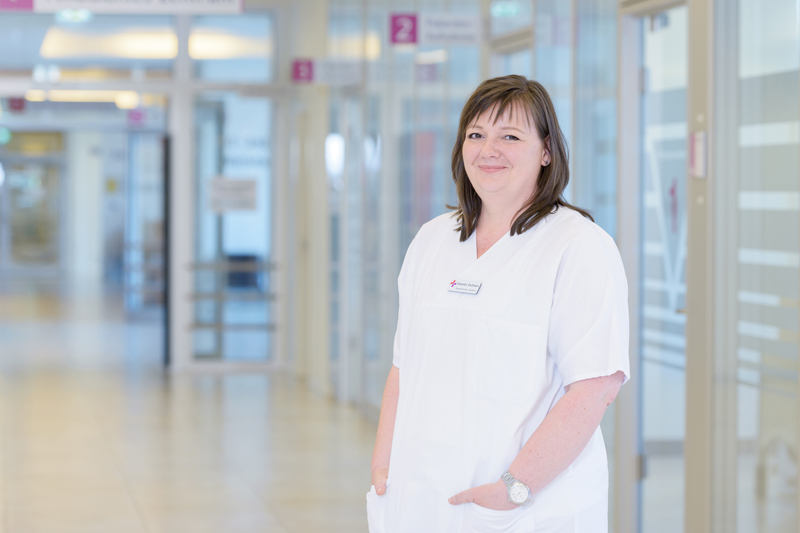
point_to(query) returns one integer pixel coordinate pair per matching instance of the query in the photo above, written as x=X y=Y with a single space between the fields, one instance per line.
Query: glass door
x=30 y=202
x=662 y=277
x=144 y=255
x=233 y=292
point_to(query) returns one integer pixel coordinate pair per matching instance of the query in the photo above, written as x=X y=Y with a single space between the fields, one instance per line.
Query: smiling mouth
x=490 y=169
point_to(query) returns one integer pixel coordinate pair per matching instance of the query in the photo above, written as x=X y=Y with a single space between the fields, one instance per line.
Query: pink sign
x=16 y=104
x=428 y=73
x=16 y=5
x=403 y=28
x=302 y=70
x=136 y=117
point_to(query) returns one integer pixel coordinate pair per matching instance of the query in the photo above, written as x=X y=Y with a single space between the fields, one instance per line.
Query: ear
x=546 y=157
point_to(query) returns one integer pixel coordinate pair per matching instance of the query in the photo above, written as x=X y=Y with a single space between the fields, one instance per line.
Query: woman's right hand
x=379 y=477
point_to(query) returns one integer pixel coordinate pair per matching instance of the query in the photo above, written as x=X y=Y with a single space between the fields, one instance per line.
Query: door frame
x=629 y=461
x=699 y=265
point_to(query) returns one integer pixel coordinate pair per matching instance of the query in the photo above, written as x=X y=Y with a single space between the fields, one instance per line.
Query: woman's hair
x=510 y=93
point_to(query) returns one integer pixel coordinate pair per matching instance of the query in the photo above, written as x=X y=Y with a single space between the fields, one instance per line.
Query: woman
x=512 y=339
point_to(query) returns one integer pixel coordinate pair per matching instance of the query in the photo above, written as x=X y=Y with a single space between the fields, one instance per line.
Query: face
x=503 y=158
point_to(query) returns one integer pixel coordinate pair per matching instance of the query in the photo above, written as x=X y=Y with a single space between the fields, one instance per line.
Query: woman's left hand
x=491 y=496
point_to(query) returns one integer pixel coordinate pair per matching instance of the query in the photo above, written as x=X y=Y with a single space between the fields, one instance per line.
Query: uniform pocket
x=375 y=511
x=479 y=519
x=505 y=357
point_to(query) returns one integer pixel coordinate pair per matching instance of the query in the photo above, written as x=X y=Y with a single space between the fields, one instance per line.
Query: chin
x=489 y=187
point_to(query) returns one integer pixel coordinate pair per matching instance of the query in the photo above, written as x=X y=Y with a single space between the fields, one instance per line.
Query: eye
x=512 y=137
x=474 y=136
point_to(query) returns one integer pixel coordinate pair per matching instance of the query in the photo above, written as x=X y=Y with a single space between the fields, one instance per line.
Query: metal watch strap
x=507 y=478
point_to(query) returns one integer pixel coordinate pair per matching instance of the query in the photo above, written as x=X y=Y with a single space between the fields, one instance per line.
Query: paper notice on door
x=226 y=194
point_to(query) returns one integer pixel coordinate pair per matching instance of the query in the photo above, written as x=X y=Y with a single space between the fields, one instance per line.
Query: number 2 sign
x=403 y=27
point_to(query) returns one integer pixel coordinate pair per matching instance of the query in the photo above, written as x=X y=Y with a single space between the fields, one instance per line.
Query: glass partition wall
x=748 y=428
x=388 y=165
x=757 y=245
x=134 y=97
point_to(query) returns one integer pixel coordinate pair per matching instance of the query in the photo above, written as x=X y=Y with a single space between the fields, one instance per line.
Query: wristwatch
x=518 y=492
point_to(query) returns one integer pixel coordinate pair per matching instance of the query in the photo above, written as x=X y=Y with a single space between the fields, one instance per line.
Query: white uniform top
x=478 y=373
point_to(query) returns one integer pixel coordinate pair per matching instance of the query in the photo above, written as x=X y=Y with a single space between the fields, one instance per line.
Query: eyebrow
x=475 y=126
x=512 y=128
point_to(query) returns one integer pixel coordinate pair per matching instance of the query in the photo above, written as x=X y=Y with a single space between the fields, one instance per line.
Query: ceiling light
x=35 y=95
x=206 y=45
x=132 y=43
x=122 y=99
x=505 y=9
x=40 y=73
x=356 y=46
x=74 y=16
x=429 y=58
x=127 y=100
x=53 y=73
x=81 y=96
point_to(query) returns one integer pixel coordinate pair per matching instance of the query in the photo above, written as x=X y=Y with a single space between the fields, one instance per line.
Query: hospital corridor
x=349 y=266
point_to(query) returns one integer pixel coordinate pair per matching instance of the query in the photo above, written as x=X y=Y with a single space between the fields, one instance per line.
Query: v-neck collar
x=474 y=245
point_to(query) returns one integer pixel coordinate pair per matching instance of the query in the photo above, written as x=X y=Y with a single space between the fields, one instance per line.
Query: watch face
x=518 y=493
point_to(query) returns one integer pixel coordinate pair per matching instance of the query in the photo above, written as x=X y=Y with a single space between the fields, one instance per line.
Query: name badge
x=464 y=287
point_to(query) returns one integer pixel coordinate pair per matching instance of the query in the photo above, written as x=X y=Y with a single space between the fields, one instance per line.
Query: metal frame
x=698 y=456
x=726 y=304
x=642 y=8
x=628 y=422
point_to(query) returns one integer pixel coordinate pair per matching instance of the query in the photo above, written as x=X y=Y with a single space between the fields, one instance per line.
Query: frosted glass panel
x=759 y=160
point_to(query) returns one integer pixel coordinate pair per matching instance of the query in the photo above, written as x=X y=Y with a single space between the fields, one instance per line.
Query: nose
x=489 y=149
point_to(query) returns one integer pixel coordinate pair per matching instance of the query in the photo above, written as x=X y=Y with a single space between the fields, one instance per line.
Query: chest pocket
x=506 y=354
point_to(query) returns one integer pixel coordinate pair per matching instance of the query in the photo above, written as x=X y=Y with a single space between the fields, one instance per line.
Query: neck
x=497 y=216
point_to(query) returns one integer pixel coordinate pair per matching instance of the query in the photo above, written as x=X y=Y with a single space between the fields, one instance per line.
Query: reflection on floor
x=662 y=494
x=95 y=438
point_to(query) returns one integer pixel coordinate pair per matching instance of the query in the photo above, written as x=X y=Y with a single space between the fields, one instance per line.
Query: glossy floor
x=96 y=438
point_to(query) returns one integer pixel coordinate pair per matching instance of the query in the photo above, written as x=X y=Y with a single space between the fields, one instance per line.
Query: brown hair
x=501 y=95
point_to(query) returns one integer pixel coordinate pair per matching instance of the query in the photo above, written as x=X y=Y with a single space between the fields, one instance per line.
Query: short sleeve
x=405 y=289
x=589 y=328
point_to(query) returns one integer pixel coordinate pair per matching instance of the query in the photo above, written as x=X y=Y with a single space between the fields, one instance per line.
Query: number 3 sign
x=403 y=27
x=303 y=71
